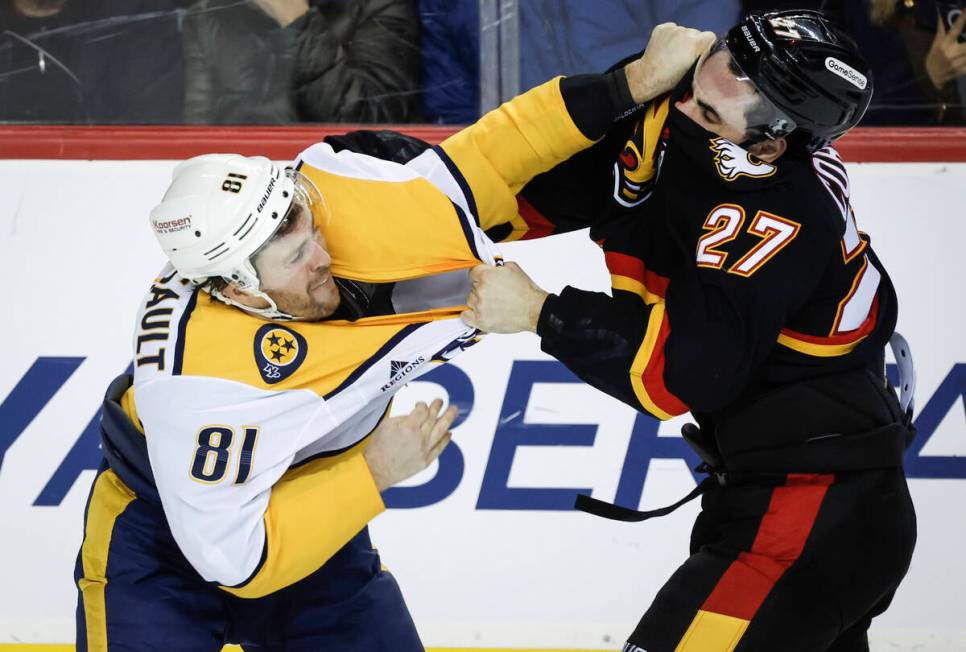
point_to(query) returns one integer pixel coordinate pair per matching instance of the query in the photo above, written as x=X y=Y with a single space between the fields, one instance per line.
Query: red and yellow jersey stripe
x=832 y=345
x=647 y=369
x=630 y=274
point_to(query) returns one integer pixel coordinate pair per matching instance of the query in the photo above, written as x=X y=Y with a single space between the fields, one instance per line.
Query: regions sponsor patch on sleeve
x=279 y=351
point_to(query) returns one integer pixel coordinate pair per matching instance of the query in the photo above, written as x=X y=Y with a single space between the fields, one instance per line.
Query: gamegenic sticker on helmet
x=279 y=351
x=847 y=72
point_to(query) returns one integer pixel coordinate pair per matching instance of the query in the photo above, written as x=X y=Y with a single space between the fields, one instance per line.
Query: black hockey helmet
x=808 y=67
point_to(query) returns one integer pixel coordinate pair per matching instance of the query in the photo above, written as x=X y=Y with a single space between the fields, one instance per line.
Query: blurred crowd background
x=273 y=62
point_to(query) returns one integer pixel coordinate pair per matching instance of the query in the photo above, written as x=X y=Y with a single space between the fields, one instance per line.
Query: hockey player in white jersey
x=246 y=455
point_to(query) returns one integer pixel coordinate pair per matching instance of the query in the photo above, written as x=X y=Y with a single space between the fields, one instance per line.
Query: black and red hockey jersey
x=731 y=277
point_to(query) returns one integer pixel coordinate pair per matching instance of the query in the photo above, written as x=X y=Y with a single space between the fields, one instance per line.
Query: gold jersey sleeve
x=510 y=145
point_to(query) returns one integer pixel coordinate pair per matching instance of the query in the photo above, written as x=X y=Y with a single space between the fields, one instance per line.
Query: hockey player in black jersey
x=743 y=292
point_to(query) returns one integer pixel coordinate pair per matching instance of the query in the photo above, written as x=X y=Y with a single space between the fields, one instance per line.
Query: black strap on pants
x=879 y=448
x=614 y=512
x=715 y=478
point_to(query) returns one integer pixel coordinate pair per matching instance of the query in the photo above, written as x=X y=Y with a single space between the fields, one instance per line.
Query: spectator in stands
x=90 y=61
x=566 y=37
x=450 y=60
x=919 y=66
x=934 y=55
x=279 y=61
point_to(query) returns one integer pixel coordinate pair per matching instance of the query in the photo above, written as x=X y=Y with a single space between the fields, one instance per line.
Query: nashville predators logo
x=638 y=162
x=733 y=161
x=279 y=351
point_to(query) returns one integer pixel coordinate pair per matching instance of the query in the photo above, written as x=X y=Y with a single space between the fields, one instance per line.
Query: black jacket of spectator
x=342 y=61
x=95 y=61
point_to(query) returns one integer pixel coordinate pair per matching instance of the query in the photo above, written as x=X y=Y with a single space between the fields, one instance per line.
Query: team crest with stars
x=279 y=351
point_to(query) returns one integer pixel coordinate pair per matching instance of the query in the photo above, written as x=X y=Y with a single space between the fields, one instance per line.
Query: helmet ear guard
x=808 y=68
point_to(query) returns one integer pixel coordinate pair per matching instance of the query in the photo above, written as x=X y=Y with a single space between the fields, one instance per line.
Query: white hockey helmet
x=219 y=210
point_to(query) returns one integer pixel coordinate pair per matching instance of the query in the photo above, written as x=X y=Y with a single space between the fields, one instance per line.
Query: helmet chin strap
x=271 y=313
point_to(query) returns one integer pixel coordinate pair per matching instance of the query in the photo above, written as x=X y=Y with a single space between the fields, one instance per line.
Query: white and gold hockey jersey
x=255 y=429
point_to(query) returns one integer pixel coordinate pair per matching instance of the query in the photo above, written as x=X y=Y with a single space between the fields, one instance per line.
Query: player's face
x=295 y=271
x=719 y=101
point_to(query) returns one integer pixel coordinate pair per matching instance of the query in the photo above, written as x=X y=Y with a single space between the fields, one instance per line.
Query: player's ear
x=233 y=292
x=769 y=150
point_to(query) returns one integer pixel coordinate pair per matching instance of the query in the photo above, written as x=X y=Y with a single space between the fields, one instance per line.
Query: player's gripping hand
x=400 y=447
x=670 y=53
x=503 y=300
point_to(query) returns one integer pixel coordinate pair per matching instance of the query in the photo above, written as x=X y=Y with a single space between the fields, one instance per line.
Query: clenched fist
x=670 y=53
x=503 y=300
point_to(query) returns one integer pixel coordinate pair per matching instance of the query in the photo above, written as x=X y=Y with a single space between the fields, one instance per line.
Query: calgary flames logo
x=734 y=161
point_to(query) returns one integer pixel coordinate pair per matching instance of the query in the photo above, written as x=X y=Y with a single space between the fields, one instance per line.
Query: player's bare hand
x=402 y=446
x=671 y=52
x=946 y=59
x=503 y=300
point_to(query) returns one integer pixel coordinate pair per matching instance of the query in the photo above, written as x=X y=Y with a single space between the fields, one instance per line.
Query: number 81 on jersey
x=214 y=453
